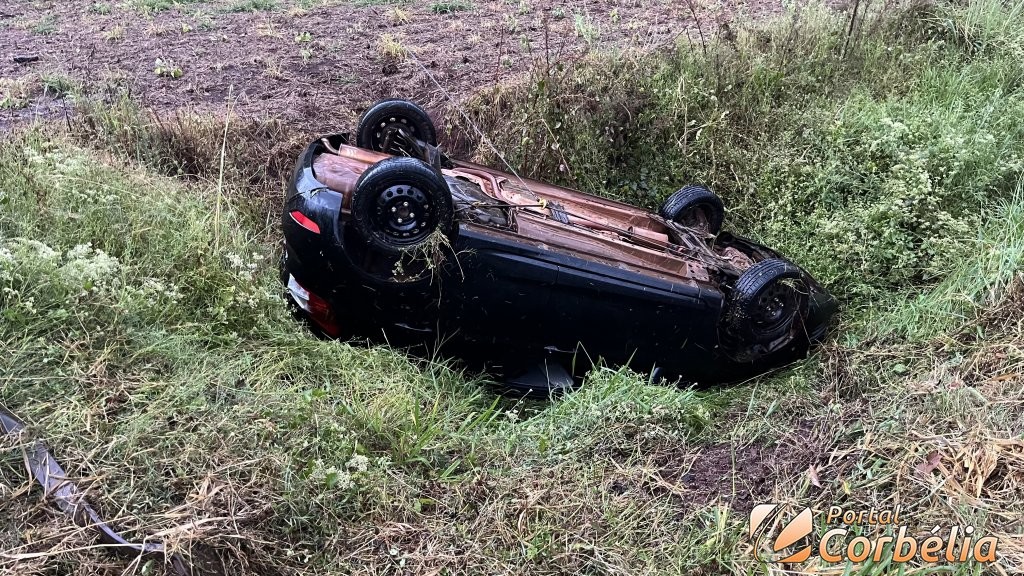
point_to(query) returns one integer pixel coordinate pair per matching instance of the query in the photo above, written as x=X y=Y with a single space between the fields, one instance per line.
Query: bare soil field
x=312 y=63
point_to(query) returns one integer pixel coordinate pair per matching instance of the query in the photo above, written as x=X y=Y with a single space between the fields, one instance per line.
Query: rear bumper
x=313 y=200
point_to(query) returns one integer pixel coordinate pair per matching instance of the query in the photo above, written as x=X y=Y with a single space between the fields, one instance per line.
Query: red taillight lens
x=304 y=221
x=318 y=309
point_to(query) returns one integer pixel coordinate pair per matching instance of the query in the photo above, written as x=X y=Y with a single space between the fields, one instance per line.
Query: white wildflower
x=359 y=463
x=36 y=248
x=94 y=270
x=80 y=251
x=235 y=260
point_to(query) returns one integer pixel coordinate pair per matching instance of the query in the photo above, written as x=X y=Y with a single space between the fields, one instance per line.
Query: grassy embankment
x=142 y=332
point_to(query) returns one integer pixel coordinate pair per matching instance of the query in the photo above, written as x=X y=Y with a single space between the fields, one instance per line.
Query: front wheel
x=768 y=303
x=400 y=204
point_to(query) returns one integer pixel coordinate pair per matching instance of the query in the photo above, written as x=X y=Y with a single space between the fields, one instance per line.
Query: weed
x=253 y=6
x=157 y=30
x=308 y=4
x=15 y=93
x=155 y=6
x=390 y=46
x=102 y=8
x=114 y=33
x=9 y=102
x=398 y=16
x=365 y=3
x=267 y=29
x=167 y=69
x=205 y=21
x=272 y=68
x=58 y=85
x=585 y=28
x=45 y=25
x=451 y=6
x=424 y=260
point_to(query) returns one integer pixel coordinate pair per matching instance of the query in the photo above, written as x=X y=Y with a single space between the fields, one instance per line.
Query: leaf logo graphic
x=764 y=516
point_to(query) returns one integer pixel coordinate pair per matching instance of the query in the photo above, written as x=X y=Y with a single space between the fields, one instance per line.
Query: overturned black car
x=390 y=240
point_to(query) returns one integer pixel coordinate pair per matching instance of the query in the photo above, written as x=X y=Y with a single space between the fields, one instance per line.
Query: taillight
x=318 y=309
x=304 y=221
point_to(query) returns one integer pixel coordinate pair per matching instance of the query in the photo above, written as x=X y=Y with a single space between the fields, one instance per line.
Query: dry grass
x=259 y=155
x=398 y=15
x=391 y=46
x=16 y=93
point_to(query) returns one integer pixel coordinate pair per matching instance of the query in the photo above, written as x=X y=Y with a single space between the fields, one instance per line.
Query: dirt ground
x=314 y=64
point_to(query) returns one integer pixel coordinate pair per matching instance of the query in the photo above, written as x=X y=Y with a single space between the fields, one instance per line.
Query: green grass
x=585 y=28
x=253 y=6
x=101 y=8
x=450 y=7
x=45 y=26
x=144 y=336
x=155 y=6
x=58 y=85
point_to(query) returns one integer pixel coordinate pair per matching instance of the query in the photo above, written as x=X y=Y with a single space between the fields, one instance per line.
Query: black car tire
x=399 y=203
x=767 y=300
x=695 y=207
x=393 y=113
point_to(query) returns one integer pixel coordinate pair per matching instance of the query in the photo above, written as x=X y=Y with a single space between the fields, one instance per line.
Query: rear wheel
x=400 y=203
x=381 y=127
x=695 y=207
x=767 y=303
x=402 y=222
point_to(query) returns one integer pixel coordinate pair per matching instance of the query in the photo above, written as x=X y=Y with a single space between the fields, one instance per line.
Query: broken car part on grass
x=390 y=240
x=71 y=501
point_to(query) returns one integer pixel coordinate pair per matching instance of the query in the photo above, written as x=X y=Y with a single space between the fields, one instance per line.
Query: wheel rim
x=697 y=217
x=392 y=129
x=403 y=214
x=776 y=307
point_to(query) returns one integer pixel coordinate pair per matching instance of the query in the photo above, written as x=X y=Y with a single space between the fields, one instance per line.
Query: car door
x=625 y=318
x=495 y=300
